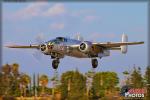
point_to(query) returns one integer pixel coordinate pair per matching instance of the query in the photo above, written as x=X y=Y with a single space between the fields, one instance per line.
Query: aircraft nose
x=50 y=45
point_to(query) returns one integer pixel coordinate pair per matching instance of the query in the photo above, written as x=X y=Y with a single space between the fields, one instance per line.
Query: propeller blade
x=37 y=55
x=79 y=37
x=40 y=38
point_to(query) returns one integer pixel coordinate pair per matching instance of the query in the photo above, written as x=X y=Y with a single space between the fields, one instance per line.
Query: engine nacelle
x=44 y=48
x=85 y=46
x=124 y=48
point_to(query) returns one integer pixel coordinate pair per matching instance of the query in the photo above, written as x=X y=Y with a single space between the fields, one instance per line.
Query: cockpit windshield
x=60 y=39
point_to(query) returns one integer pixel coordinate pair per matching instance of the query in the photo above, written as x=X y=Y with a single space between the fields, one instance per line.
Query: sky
x=94 y=21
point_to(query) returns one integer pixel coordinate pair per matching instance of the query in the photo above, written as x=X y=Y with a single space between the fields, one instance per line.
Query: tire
x=55 y=64
x=94 y=63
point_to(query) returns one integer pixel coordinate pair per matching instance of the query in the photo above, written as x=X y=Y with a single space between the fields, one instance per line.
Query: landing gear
x=94 y=63
x=55 y=63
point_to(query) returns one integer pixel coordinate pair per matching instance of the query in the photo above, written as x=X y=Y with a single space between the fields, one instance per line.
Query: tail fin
x=124 y=48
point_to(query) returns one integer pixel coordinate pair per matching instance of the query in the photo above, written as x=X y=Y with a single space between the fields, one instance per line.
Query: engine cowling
x=44 y=48
x=85 y=46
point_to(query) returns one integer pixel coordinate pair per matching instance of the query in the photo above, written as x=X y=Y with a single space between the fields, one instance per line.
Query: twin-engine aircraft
x=61 y=46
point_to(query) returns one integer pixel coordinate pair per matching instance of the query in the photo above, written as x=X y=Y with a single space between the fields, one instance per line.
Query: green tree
x=15 y=69
x=6 y=69
x=43 y=80
x=15 y=90
x=89 y=78
x=104 y=82
x=6 y=79
x=127 y=79
x=24 y=82
x=9 y=80
x=66 y=79
x=147 y=77
x=136 y=78
x=56 y=83
x=73 y=85
x=35 y=88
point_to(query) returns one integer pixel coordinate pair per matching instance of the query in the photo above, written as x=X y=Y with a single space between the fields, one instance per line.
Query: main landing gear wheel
x=94 y=63
x=55 y=63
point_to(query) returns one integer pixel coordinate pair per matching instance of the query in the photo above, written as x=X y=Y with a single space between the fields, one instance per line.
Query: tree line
x=71 y=85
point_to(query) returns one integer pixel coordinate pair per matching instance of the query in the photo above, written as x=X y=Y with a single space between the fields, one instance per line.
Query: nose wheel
x=55 y=63
x=94 y=63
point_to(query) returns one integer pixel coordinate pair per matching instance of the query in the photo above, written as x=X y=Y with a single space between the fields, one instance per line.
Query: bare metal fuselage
x=65 y=48
x=60 y=47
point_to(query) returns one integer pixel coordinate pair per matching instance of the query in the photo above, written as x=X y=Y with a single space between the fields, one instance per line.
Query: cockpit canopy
x=61 y=39
x=58 y=40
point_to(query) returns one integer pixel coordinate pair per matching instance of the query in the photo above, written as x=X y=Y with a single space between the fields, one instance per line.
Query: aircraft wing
x=24 y=46
x=116 y=44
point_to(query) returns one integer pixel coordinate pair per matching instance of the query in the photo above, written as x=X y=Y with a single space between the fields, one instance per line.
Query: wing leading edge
x=24 y=46
x=117 y=44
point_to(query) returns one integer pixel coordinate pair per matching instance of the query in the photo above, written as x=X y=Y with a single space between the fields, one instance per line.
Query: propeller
x=79 y=37
x=39 y=39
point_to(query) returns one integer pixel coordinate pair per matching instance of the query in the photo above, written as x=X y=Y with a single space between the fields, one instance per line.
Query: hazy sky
x=97 y=21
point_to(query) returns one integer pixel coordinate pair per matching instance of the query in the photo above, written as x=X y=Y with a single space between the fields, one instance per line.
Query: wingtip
x=142 y=42
x=8 y=46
